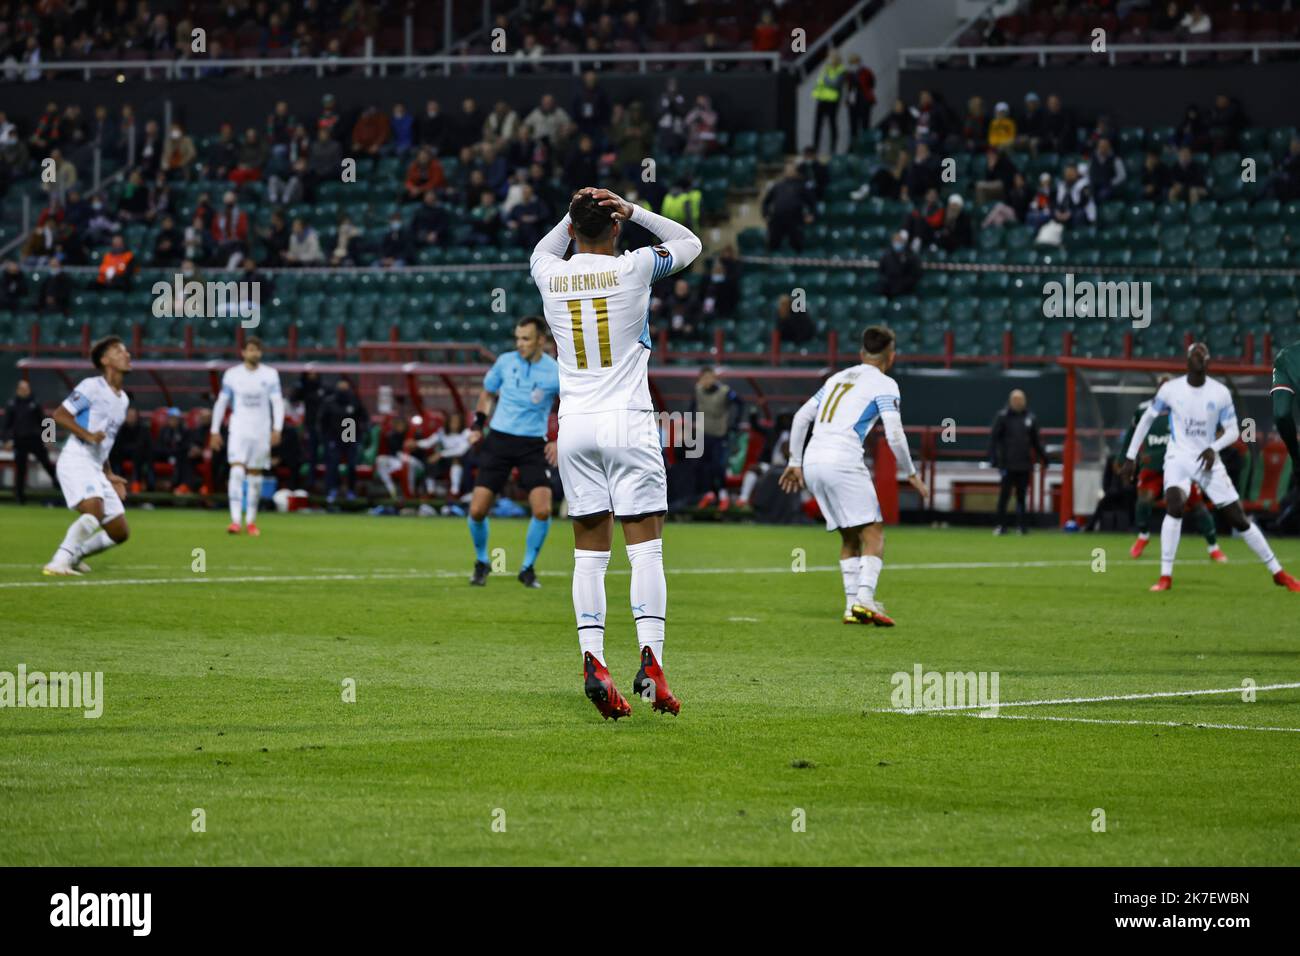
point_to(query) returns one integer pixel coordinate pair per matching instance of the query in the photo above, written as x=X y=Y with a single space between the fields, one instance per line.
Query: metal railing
x=856 y=16
x=913 y=56
x=194 y=68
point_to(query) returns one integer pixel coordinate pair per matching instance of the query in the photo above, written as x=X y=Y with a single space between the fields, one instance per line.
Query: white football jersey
x=97 y=408
x=848 y=405
x=1195 y=414
x=253 y=395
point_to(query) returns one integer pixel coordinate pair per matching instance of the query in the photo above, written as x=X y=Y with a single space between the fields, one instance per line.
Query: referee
x=523 y=386
x=22 y=427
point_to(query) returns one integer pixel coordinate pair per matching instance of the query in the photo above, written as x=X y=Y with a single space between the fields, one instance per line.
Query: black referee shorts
x=500 y=454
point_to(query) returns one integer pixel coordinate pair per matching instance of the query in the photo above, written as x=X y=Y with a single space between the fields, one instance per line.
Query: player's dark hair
x=99 y=348
x=536 y=322
x=591 y=221
x=253 y=340
x=877 y=339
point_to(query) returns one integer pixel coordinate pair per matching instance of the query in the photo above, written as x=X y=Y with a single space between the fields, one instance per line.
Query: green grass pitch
x=470 y=741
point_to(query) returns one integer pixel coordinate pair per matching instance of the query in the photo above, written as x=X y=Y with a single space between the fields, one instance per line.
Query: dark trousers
x=711 y=467
x=22 y=448
x=1019 y=481
x=778 y=230
x=828 y=114
x=339 y=453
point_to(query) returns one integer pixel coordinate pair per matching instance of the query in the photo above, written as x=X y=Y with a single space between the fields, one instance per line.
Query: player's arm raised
x=682 y=245
x=792 y=477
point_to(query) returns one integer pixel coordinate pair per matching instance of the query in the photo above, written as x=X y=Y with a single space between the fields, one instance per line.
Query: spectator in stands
x=1155 y=177
x=168 y=244
x=887 y=181
x=329 y=119
x=101 y=223
x=670 y=121
x=720 y=293
x=922 y=174
x=1107 y=172
x=45 y=134
x=304 y=246
x=1013 y=443
x=343 y=425
x=925 y=220
x=1191 y=131
x=485 y=220
x=590 y=108
x=1074 y=204
x=793 y=325
x=1002 y=128
x=527 y=219
x=230 y=232
x=827 y=95
x=1225 y=122
x=288 y=187
x=520 y=150
x=117 y=267
x=179 y=154
x=1168 y=19
x=1286 y=180
x=424 y=175
x=1196 y=22
x=582 y=163
x=280 y=126
x=816 y=174
x=275 y=237
x=975 y=126
x=680 y=312
x=65 y=175
x=632 y=138
x=346 y=247
x=1032 y=126
x=787 y=207
x=21 y=431
x=134 y=447
x=431 y=128
x=13 y=151
x=429 y=224
x=149 y=151
x=994 y=176
x=701 y=127
x=529 y=53
x=395 y=247
x=859 y=96
x=371 y=132
x=767 y=34
x=160 y=198
x=1187 y=179
x=252 y=157
x=13 y=287
x=222 y=154
x=133 y=200
x=682 y=203
x=1059 y=132
x=548 y=123
x=466 y=126
x=324 y=160
x=402 y=125
x=930 y=120
x=101 y=133
x=899 y=121
x=55 y=292
x=955 y=232
x=500 y=125
x=900 y=269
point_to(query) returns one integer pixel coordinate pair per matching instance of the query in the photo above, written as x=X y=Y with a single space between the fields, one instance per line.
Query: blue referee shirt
x=526 y=392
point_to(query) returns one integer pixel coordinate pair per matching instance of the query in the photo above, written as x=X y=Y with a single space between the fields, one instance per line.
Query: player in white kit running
x=1198 y=407
x=252 y=393
x=596 y=304
x=834 y=469
x=93 y=413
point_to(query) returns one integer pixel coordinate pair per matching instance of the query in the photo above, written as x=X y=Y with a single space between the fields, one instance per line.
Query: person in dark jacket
x=900 y=269
x=343 y=424
x=311 y=392
x=134 y=444
x=787 y=206
x=1012 y=447
x=21 y=428
x=55 y=291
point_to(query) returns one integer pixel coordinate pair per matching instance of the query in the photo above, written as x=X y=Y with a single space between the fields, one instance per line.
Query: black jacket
x=787 y=200
x=340 y=405
x=22 y=419
x=1014 y=441
x=312 y=395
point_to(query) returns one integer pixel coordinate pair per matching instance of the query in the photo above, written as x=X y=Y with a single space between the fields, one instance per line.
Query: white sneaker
x=56 y=570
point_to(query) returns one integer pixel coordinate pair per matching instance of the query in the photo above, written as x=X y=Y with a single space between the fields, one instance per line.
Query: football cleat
x=1164 y=584
x=872 y=614
x=60 y=571
x=1218 y=556
x=708 y=501
x=651 y=685
x=233 y=528
x=528 y=578
x=1282 y=579
x=1139 y=546
x=254 y=531
x=481 y=570
x=850 y=619
x=600 y=689
x=81 y=567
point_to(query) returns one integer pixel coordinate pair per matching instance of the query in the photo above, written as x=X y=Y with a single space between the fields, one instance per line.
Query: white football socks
x=867 y=578
x=849 y=572
x=235 y=489
x=78 y=532
x=1171 y=530
x=649 y=595
x=99 y=541
x=589 y=600
x=254 y=495
x=1255 y=539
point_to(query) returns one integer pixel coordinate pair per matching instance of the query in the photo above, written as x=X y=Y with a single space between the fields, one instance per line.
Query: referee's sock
x=478 y=533
x=534 y=539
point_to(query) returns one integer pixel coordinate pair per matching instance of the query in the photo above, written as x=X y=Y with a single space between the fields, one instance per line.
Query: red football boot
x=872 y=614
x=651 y=685
x=1218 y=556
x=233 y=528
x=1164 y=584
x=254 y=531
x=1282 y=579
x=601 y=691
x=1139 y=546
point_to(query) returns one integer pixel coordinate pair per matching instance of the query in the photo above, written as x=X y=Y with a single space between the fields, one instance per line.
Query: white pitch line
x=1199 y=725
x=1152 y=695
